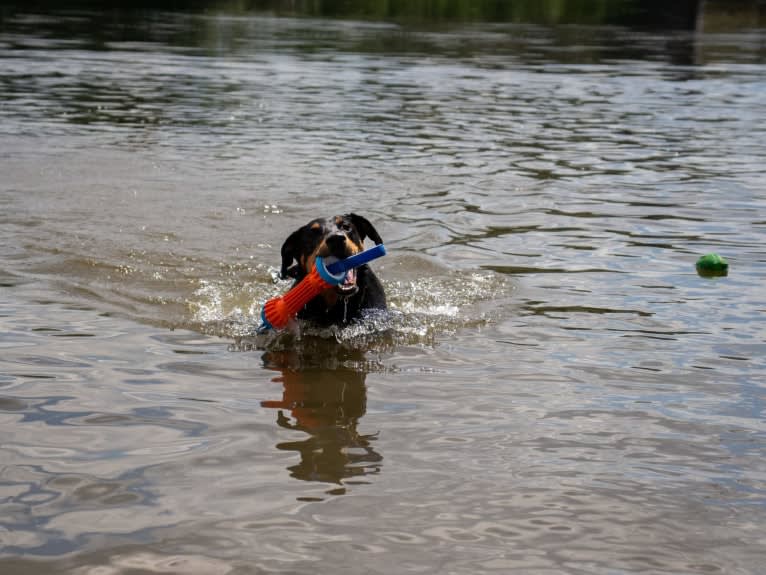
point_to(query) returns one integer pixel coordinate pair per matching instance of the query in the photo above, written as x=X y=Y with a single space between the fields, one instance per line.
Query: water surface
x=556 y=390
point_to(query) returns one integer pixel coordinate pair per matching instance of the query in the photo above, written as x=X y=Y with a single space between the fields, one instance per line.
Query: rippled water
x=556 y=390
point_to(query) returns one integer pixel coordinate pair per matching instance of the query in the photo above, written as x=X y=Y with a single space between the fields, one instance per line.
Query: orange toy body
x=278 y=311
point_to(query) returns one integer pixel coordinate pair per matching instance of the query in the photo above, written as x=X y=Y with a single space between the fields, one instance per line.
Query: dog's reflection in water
x=325 y=398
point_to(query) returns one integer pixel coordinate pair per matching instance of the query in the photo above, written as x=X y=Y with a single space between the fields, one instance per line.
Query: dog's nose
x=337 y=245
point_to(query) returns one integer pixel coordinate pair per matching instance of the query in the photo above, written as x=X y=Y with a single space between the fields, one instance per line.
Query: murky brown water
x=555 y=391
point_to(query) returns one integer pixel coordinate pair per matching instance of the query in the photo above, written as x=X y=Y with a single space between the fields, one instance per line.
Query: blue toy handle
x=334 y=272
x=342 y=266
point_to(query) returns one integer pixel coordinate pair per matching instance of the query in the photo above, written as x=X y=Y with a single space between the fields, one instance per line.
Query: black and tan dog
x=341 y=237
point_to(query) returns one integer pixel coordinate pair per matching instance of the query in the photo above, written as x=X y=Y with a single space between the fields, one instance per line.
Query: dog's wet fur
x=341 y=237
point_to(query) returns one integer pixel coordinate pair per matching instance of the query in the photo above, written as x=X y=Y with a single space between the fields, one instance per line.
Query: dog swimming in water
x=340 y=237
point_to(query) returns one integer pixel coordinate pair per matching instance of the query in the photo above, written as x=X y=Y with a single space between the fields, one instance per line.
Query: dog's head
x=339 y=236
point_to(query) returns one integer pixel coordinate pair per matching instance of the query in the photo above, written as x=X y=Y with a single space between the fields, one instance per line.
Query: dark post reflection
x=324 y=398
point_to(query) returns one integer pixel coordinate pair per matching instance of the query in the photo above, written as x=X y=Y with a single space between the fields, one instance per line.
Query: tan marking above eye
x=315 y=226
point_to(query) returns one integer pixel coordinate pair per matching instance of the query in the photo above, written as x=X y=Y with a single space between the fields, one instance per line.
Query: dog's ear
x=365 y=228
x=291 y=250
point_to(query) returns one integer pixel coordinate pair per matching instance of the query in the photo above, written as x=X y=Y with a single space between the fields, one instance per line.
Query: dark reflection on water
x=327 y=404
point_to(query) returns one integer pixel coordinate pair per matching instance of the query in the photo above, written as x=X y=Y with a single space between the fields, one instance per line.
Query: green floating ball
x=712 y=265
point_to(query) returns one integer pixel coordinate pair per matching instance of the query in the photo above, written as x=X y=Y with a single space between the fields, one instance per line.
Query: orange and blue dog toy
x=277 y=311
